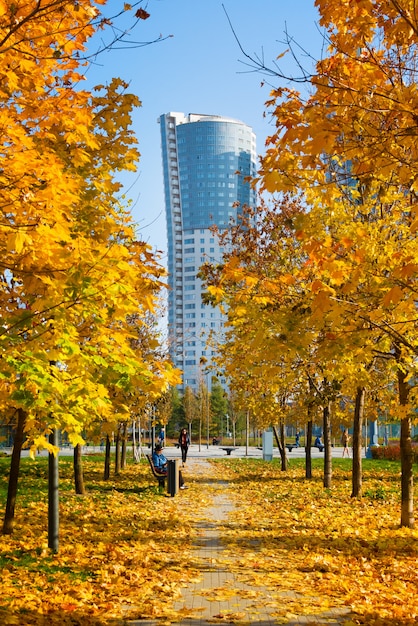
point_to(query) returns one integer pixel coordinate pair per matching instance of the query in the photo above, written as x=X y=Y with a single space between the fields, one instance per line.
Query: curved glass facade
x=206 y=159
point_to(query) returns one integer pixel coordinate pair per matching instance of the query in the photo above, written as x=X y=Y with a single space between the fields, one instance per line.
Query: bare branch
x=256 y=63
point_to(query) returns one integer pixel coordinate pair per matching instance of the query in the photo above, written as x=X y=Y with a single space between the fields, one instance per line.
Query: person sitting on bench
x=160 y=464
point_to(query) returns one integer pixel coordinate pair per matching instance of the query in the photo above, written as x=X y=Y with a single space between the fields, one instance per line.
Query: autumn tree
x=190 y=406
x=349 y=146
x=218 y=405
x=73 y=269
x=301 y=358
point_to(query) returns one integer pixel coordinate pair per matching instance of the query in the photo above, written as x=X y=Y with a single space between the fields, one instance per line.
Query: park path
x=219 y=593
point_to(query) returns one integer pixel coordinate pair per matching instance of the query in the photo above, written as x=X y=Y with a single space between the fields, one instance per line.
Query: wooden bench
x=160 y=477
x=228 y=450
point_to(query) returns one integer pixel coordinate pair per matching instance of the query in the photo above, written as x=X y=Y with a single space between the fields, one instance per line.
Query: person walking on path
x=161 y=437
x=184 y=443
x=345 y=438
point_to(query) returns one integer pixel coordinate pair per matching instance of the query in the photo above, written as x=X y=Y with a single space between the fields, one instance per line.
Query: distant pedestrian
x=297 y=439
x=184 y=443
x=318 y=443
x=345 y=438
x=161 y=437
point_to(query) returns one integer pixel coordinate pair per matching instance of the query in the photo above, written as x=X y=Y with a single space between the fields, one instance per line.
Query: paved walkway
x=219 y=594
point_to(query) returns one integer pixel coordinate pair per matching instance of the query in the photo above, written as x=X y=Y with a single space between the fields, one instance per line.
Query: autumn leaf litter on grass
x=122 y=549
x=318 y=549
x=126 y=552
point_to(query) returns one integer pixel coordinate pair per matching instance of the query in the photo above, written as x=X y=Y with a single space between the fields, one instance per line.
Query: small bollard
x=173 y=477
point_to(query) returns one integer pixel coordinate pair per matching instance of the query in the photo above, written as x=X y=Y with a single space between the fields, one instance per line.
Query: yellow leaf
x=393 y=296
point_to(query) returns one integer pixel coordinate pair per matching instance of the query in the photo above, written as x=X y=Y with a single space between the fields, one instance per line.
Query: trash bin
x=268 y=445
x=173 y=477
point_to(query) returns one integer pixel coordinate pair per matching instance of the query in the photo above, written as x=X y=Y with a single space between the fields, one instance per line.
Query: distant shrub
x=392 y=452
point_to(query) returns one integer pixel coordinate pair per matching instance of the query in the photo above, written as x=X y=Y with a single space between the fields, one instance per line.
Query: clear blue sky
x=200 y=69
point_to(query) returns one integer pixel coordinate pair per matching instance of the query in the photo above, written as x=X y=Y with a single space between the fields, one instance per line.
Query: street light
x=207 y=410
x=203 y=361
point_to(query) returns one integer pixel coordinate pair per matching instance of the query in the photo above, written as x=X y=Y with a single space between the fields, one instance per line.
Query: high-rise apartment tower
x=206 y=159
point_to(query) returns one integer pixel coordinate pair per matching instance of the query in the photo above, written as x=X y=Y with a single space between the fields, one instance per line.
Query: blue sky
x=199 y=69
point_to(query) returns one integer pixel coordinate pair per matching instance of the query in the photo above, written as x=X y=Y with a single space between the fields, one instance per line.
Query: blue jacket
x=159 y=460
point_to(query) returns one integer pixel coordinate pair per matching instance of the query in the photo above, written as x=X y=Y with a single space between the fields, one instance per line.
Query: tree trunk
x=407 y=476
x=283 y=454
x=106 y=474
x=326 y=427
x=282 y=449
x=277 y=438
x=308 y=438
x=308 y=446
x=356 y=477
x=117 y=452
x=14 y=473
x=53 y=495
x=200 y=433
x=124 y=442
x=136 y=440
x=78 y=471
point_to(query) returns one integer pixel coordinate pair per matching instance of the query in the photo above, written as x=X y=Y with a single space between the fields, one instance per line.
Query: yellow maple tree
x=73 y=269
x=349 y=147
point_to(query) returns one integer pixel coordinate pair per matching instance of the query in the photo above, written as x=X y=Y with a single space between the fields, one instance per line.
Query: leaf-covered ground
x=292 y=535
x=122 y=544
x=124 y=548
